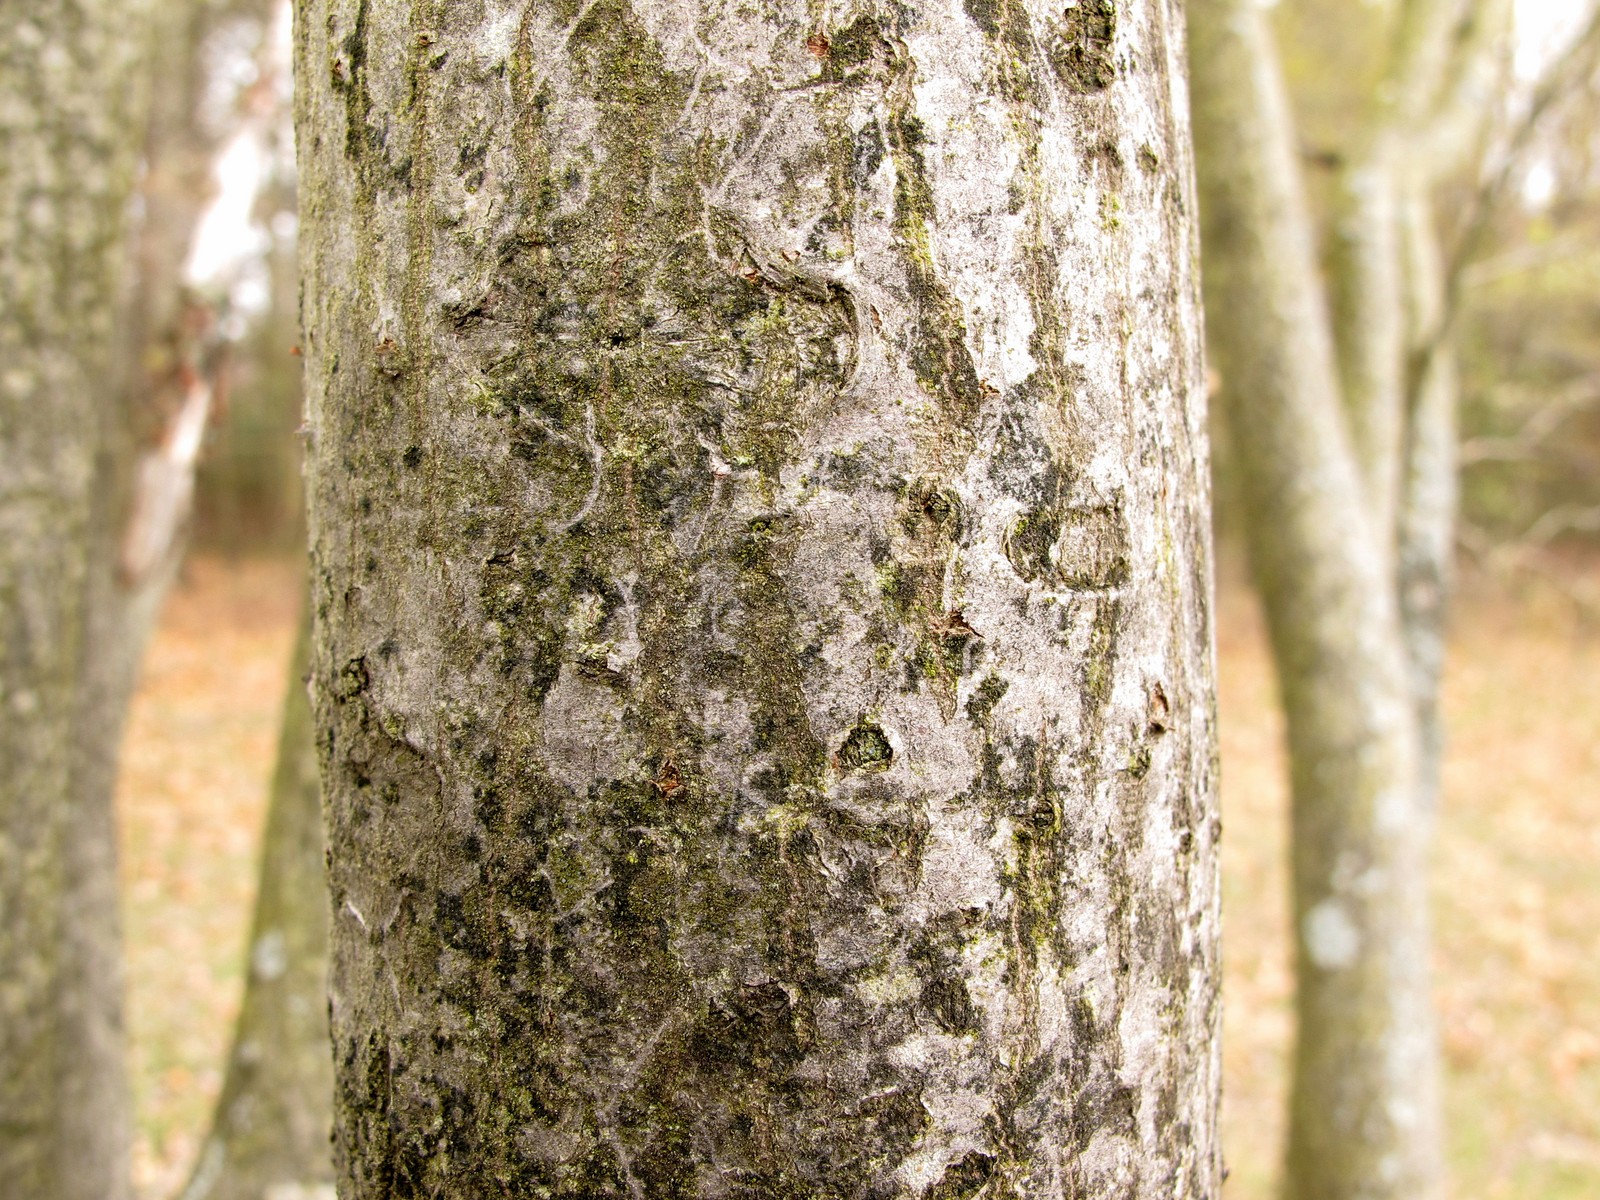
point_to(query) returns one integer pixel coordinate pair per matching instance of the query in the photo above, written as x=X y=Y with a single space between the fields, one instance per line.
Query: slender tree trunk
x=105 y=404
x=1363 y=1120
x=1427 y=527
x=172 y=331
x=1369 y=260
x=1368 y=308
x=759 y=528
x=270 y=1135
x=69 y=132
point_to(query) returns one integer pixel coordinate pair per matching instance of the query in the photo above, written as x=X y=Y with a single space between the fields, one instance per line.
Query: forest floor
x=1516 y=882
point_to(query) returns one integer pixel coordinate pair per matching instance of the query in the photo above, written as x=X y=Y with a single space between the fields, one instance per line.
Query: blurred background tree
x=1335 y=299
x=1514 y=157
x=114 y=365
x=72 y=93
x=1528 y=287
x=269 y=1133
x=249 y=479
x=1312 y=396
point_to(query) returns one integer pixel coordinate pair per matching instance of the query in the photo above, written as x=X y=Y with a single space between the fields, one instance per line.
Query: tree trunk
x=761 y=573
x=1369 y=268
x=1363 y=1113
x=1367 y=277
x=1427 y=529
x=69 y=134
x=269 y=1139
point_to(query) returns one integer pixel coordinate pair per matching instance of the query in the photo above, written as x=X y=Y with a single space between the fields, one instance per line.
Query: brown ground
x=1517 y=880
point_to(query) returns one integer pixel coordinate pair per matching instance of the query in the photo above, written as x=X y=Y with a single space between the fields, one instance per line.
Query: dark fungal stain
x=938 y=353
x=866 y=749
x=1080 y=53
x=1080 y=548
x=857 y=44
x=1029 y=541
x=985 y=15
x=963 y=1179
x=980 y=707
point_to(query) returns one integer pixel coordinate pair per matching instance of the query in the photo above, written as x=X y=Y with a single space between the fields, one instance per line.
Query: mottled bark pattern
x=68 y=139
x=270 y=1134
x=760 y=563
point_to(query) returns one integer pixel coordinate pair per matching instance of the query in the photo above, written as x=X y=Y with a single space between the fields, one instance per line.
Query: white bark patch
x=269 y=957
x=550 y=1143
x=1331 y=937
x=958 y=871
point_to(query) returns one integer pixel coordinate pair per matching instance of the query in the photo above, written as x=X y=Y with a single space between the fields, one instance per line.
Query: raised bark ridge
x=760 y=567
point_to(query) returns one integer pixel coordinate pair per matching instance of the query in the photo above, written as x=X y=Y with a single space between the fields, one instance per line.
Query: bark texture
x=69 y=134
x=269 y=1140
x=761 y=573
x=1364 y=1109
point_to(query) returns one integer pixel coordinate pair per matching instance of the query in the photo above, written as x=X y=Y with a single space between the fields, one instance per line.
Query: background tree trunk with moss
x=761 y=575
x=70 y=89
x=269 y=1137
x=1339 y=405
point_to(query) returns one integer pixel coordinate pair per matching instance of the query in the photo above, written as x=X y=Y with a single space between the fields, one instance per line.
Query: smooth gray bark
x=1370 y=250
x=1363 y=1110
x=760 y=566
x=269 y=1139
x=1369 y=267
x=69 y=133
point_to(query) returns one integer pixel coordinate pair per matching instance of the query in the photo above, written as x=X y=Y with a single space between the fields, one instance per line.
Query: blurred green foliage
x=1530 y=352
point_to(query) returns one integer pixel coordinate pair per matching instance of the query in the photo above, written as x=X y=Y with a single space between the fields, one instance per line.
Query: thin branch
x=1574 y=65
x=1568 y=518
x=1569 y=71
x=1530 y=257
x=1458 y=117
x=1510 y=561
x=1545 y=421
x=164 y=487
